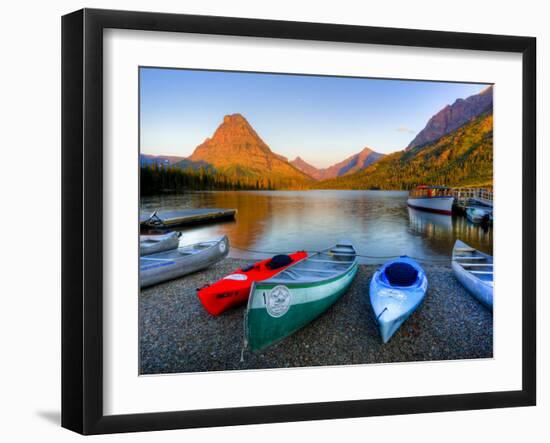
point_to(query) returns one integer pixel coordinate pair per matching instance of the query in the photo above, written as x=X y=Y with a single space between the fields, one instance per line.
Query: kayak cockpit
x=400 y=274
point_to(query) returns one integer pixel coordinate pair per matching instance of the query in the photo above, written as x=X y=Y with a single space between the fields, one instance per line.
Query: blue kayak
x=396 y=290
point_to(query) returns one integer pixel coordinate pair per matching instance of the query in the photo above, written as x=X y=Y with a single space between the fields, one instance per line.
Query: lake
x=379 y=223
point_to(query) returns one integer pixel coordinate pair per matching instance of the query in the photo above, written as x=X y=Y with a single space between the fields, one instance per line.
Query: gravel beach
x=177 y=335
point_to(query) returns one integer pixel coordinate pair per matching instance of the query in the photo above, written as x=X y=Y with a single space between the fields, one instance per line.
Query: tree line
x=157 y=179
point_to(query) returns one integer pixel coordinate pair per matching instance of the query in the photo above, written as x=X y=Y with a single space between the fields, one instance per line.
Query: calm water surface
x=379 y=223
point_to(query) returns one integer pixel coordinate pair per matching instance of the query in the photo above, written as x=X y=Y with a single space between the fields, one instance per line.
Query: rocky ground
x=177 y=335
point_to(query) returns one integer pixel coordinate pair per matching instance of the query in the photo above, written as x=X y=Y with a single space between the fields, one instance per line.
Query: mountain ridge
x=453 y=116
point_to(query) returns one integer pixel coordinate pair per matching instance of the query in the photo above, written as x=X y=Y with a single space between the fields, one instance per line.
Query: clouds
x=405 y=129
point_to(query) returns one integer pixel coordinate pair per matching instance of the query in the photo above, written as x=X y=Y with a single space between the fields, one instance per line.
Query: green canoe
x=291 y=299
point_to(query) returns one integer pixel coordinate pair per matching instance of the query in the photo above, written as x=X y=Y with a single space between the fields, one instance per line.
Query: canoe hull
x=480 y=289
x=481 y=292
x=151 y=244
x=393 y=305
x=307 y=302
x=168 y=265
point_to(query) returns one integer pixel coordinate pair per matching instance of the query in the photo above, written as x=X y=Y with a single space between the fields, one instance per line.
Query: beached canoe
x=474 y=270
x=286 y=302
x=167 y=265
x=151 y=244
x=396 y=290
x=234 y=289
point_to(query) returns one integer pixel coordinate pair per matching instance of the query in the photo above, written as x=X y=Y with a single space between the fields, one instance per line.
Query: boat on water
x=151 y=244
x=474 y=270
x=477 y=214
x=436 y=199
x=396 y=290
x=168 y=265
x=292 y=298
x=234 y=289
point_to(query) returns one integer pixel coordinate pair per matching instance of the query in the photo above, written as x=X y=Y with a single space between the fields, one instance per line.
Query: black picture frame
x=82 y=220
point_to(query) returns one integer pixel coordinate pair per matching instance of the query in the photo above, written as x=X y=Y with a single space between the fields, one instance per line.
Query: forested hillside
x=463 y=157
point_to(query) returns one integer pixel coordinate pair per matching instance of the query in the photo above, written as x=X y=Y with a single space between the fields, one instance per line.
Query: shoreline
x=177 y=335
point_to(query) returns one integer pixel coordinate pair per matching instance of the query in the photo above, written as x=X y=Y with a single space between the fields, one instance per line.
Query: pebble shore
x=177 y=335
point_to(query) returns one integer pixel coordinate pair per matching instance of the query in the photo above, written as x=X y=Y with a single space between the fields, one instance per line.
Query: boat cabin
x=424 y=191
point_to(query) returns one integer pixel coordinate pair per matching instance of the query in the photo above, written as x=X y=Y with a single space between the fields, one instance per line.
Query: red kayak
x=234 y=289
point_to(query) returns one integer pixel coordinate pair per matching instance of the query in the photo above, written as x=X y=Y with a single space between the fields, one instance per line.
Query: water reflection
x=378 y=222
x=431 y=225
x=441 y=231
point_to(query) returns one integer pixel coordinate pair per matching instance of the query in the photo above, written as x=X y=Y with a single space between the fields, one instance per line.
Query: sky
x=321 y=119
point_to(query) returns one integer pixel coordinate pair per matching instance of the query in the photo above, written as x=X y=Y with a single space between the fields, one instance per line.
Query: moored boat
x=286 y=302
x=436 y=199
x=477 y=214
x=234 y=289
x=474 y=270
x=396 y=290
x=167 y=265
x=151 y=244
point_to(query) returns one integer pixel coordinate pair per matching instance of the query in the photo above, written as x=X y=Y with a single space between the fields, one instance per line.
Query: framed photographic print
x=269 y=221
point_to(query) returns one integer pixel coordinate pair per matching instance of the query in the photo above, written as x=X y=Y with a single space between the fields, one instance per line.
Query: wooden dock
x=465 y=197
x=186 y=217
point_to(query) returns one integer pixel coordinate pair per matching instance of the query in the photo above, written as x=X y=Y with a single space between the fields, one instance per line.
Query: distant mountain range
x=455 y=147
x=236 y=150
x=350 y=165
x=163 y=160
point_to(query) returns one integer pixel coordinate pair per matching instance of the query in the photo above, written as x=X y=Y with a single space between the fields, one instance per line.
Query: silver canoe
x=474 y=270
x=163 y=266
x=151 y=244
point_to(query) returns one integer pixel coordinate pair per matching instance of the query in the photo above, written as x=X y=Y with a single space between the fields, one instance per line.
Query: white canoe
x=151 y=244
x=168 y=265
x=474 y=270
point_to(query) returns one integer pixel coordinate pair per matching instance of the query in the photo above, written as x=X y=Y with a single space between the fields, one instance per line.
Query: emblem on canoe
x=278 y=301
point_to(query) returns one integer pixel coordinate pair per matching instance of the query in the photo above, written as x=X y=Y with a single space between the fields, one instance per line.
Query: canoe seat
x=468 y=257
x=401 y=274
